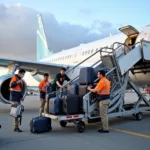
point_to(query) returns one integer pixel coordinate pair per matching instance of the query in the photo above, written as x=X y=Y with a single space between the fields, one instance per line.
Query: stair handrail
x=121 y=44
x=113 y=50
x=90 y=66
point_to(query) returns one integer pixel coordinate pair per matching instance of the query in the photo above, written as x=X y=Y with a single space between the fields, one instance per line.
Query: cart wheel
x=138 y=116
x=80 y=126
x=63 y=123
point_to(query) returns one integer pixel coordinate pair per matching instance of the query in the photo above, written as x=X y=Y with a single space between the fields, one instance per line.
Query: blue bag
x=40 y=125
x=55 y=105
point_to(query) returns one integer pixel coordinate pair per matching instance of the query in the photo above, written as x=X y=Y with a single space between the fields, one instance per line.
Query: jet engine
x=4 y=88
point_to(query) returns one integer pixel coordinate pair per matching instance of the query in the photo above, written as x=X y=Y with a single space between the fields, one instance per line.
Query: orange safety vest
x=42 y=86
x=17 y=87
x=103 y=87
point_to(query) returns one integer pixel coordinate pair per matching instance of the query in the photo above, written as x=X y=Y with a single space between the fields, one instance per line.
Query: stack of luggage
x=68 y=103
x=72 y=102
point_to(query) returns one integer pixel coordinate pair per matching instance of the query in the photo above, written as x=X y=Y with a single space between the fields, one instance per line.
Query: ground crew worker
x=16 y=86
x=59 y=79
x=103 y=96
x=42 y=89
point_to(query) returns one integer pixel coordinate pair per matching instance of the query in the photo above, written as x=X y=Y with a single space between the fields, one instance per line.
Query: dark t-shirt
x=60 y=78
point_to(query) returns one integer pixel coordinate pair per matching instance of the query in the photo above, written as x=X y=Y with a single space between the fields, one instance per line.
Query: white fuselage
x=75 y=55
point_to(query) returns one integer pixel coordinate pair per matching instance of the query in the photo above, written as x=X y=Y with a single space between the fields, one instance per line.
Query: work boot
x=17 y=130
x=103 y=131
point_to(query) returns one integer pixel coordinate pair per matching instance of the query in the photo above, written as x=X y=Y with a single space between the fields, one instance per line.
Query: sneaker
x=103 y=131
x=17 y=130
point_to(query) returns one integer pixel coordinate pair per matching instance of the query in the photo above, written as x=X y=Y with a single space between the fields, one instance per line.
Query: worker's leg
x=104 y=114
x=42 y=104
x=16 y=120
x=46 y=106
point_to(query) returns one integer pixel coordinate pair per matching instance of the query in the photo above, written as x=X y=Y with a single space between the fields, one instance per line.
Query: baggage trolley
x=77 y=119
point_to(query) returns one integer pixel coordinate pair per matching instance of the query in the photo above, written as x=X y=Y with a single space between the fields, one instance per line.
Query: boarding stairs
x=120 y=61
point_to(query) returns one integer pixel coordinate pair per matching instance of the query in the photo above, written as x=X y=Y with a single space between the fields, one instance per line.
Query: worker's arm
x=57 y=82
x=14 y=82
x=67 y=78
x=98 y=88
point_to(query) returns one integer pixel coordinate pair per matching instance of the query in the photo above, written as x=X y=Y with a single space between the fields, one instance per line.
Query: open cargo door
x=129 y=31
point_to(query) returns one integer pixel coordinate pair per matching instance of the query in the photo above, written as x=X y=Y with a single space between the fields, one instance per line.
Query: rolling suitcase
x=87 y=76
x=55 y=105
x=71 y=104
x=40 y=125
x=73 y=89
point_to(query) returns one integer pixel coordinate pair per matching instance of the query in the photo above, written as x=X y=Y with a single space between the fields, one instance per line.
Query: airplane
x=49 y=62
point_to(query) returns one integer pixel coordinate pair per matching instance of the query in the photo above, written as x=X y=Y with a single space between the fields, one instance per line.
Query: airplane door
x=129 y=30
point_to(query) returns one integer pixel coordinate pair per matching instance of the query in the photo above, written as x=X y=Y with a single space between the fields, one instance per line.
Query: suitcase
x=55 y=105
x=87 y=76
x=40 y=125
x=71 y=104
x=82 y=90
x=16 y=110
x=48 y=97
x=73 y=89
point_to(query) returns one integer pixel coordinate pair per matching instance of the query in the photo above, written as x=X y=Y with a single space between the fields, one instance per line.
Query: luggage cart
x=63 y=119
x=77 y=119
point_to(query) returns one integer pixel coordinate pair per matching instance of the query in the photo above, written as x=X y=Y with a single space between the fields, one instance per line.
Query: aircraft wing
x=39 y=67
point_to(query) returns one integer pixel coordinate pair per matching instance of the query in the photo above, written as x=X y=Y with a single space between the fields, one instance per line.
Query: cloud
x=103 y=28
x=18 y=32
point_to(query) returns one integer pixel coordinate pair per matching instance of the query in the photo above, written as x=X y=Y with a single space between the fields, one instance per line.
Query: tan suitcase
x=82 y=90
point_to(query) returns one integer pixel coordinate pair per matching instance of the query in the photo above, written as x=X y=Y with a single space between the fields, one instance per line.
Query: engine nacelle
x=4 y=88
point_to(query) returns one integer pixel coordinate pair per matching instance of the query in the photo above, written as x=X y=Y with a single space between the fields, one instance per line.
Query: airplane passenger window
x=92 y=51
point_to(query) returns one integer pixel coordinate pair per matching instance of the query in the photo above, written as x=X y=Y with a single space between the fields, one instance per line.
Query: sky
x=85 y=12
x=68 y=23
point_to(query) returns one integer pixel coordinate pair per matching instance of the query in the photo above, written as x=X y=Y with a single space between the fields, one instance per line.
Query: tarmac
x=126 y=133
